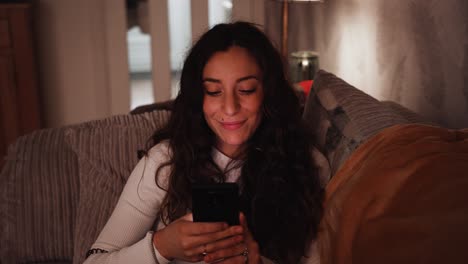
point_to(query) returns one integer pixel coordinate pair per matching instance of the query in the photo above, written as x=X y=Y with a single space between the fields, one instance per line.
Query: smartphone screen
x=215 y=203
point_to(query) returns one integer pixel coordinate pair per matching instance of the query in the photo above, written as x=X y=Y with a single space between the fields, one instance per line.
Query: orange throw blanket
x=402 y=197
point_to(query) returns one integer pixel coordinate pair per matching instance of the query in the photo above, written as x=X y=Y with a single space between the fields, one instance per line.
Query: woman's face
x=233 y=96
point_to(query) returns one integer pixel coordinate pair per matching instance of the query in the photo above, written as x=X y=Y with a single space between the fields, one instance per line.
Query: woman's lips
x=232 y=125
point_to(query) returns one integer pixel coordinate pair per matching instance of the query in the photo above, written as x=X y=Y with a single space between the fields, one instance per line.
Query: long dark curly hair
x=280 y=190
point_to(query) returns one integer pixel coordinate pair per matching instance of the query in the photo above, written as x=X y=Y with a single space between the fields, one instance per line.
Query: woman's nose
x=231 y=104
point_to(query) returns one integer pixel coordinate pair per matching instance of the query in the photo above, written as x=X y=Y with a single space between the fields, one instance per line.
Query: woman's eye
x=248 y=91
x=212 y=93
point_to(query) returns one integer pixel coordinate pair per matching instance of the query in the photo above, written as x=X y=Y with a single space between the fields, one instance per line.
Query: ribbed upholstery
x=40 y=194
x=143 y=120
x=404 y=112
x=39 y=187
x=343 y=117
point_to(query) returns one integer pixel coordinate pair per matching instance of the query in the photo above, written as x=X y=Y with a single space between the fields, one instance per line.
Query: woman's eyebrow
x=211 y=80
x=248 y=77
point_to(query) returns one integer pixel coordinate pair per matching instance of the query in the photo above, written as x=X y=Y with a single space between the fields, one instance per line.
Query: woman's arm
x=127 y=236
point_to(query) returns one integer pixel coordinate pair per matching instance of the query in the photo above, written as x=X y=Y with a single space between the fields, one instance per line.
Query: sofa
x=59 y=186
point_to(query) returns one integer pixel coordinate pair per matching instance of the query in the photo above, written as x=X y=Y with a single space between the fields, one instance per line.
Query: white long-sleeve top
x=127 y=235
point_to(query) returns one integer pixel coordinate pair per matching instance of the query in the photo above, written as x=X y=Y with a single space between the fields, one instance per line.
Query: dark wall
x=412 y=52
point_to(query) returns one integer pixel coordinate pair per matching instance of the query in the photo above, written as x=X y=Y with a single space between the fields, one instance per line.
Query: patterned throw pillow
x=343 y=117
x=107 y=153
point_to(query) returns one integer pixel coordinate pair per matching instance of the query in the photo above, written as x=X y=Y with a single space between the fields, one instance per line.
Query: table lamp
x=302 y=64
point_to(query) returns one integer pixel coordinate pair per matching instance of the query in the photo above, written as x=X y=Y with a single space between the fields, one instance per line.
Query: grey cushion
x=46 y=182
x=343 y=117
x=38 y=199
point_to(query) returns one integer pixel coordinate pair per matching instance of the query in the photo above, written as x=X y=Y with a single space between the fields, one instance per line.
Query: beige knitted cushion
x=106 y=155
x=342 y=117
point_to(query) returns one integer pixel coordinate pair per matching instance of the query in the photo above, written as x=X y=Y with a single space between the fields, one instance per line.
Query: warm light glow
x=227 y=4
x=305 y=63
x=301 y=0
x=356 y=56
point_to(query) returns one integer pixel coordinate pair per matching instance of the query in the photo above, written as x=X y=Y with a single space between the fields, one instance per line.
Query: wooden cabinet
x=19 y=98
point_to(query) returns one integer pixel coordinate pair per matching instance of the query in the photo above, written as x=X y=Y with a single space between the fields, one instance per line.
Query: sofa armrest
x=343 y=117
x=409 y=115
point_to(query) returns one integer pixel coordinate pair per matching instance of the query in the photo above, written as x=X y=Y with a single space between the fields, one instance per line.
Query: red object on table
x=306 y=86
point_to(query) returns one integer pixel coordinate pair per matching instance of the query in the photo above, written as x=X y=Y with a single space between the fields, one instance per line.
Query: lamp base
x=303 y=65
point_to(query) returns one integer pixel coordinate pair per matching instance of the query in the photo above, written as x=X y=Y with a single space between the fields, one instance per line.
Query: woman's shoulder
x=160 y=152
x=141 y=185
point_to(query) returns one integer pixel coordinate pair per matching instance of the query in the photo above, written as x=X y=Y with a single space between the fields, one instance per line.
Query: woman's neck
x=233 y=152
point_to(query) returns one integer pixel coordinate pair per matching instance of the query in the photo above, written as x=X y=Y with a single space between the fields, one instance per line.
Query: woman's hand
x=245 y=252
x=186 y=240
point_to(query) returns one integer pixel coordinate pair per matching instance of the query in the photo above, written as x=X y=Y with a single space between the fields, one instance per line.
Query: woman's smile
x=234 y=125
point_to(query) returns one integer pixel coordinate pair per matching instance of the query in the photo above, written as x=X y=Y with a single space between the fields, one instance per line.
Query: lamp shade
x=284 y=31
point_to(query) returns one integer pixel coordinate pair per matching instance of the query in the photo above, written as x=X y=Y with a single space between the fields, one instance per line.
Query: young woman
x=235 y=119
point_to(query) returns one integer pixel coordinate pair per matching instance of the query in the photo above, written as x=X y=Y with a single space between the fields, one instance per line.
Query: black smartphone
x=215 y=203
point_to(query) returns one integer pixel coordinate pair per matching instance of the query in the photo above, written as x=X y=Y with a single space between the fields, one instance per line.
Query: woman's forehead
x=234 y=61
